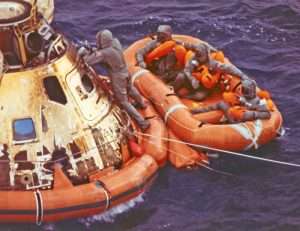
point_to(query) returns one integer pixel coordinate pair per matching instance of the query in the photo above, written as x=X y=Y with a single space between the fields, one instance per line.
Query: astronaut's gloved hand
x=197 y=110
x=246 y=77
x=242 y=100
x=195 y=83
x=142 y=65
x=82 y=51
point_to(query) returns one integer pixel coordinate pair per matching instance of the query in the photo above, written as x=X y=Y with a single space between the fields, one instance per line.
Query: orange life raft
x=67 y=201
x=203 y=129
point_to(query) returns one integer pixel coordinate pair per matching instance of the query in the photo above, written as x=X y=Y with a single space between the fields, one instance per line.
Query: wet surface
x=260 y=37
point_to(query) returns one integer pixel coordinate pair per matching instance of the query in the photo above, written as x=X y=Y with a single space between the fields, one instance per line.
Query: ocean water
x=260 y=37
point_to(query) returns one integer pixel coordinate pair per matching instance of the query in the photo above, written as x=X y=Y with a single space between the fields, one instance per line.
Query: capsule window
x=23 y=129
x=87 y=83
x=54 y=90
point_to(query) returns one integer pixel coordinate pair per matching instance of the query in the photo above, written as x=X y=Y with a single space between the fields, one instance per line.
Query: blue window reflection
x=24 y=130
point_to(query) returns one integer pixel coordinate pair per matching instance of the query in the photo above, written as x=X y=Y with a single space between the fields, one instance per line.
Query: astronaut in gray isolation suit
x=256 y=108
x=202 y=57
x=110 y=54
x=165 y=66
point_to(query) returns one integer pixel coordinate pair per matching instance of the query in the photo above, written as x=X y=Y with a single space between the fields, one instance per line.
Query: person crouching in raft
x=251 y=105
x=110 y=53
x=196 y=74
x=163 y=55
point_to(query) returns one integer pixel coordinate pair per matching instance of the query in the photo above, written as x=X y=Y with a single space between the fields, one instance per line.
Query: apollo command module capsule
x=65 y=149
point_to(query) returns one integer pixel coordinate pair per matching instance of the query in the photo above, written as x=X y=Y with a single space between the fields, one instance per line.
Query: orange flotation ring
x=185 y=126
x=66 y=201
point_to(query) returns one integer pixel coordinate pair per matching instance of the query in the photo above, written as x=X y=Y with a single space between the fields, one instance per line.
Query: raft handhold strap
x=171 y=94
x=39 y=207
x=138 y=74
x=150 y=117
x=106 y=192
x=172 y=109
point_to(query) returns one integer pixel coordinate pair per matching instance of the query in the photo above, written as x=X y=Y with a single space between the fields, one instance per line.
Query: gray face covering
x=201 y=54
x=104 y=39
x=249 y=89
x=164 y=33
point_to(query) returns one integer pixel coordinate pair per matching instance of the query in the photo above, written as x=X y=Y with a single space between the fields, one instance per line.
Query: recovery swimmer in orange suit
x=250 y=106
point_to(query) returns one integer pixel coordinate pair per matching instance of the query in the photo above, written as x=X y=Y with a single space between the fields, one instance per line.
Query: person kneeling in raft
x=200 y=61
x=161 y=54
x=251 y=105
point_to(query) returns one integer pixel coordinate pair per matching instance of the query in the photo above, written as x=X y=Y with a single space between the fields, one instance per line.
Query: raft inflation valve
x=26 y=179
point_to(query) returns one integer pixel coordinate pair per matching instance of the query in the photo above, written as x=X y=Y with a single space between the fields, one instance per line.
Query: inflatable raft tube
x=151 y=143
x=66 y=201
x=199 y=129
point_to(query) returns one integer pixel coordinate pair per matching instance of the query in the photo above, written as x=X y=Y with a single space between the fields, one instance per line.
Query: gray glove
x=142 y=65
x=195 y=83
x=83 y=51
x=244 y=102
x=198 y=110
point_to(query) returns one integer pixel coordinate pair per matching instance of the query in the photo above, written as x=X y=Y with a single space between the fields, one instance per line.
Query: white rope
x=198 y=163
x=215 y=170
x=223 y=151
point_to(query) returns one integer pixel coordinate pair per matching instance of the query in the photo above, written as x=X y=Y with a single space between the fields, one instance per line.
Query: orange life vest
x=236 y=111
x=231 y=98
x=263 y=94
x=202 y=73
x=206 y=79
x=180 y=53
x=164 y=49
